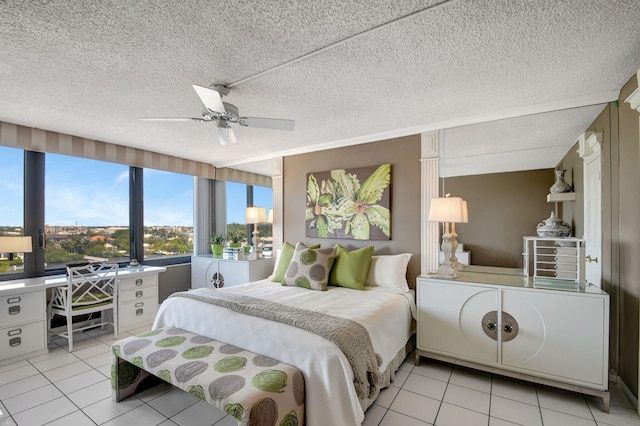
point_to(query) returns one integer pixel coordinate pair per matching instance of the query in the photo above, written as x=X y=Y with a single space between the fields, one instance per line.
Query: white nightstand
x=210 y=271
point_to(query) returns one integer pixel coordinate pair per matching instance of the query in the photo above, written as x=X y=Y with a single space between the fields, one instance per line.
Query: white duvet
x=330 y=396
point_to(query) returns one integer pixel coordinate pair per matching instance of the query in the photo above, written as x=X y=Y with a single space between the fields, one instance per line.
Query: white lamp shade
x=15 y=245
x=270 y=216
x=465 y=212
x=255 y=215
x=450 y=209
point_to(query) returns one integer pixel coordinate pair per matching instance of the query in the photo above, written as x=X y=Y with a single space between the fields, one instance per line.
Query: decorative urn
x=553 y=228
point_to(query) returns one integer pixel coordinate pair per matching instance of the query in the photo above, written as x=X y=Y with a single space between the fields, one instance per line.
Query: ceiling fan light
x=225 y=135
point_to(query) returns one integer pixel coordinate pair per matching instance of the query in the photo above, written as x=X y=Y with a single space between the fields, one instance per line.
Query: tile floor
x=73 y=389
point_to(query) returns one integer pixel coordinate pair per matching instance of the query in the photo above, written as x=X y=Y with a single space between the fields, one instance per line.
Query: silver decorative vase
x=560 y=185
x=553 y=228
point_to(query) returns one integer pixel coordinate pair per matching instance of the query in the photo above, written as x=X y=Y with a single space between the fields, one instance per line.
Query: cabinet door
x=203 y=271
x=234 y=272
x=560 y=336
x=450 y=320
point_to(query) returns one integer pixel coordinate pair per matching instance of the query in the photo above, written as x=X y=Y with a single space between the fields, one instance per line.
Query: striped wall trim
x=233 y=175
x=31 y=139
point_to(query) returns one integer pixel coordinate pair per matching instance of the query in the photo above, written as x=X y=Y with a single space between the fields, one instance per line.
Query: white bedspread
x=330 y=395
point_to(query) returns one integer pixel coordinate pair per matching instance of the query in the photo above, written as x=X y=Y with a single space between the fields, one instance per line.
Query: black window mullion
x=136 y=214
x=34 y=163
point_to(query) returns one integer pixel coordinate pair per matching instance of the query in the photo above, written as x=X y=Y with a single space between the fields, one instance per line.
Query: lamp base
x=446 y=269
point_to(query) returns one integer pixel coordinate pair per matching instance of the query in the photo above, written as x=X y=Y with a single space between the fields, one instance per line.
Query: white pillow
x=389 y=271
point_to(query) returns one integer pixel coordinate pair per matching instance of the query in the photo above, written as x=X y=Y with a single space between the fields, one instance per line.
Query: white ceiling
x=346 y=72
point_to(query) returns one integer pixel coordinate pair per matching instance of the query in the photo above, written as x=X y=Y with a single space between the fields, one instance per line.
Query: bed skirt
x=389 y=374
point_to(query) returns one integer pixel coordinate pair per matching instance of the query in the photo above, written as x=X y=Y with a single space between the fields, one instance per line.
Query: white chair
x=90 y=289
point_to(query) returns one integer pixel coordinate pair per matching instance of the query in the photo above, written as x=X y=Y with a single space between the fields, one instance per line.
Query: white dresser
x=138 y=298
x=505 y=324
x=23 y=329
x=210 y=271
x=23 y=309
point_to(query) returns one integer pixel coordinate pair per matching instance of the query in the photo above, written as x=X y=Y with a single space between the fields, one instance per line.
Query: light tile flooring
x=73 y=389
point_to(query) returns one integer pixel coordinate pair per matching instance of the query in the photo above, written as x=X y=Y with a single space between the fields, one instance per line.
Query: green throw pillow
x=309 y=268
x=286 y=253
x=350 y=269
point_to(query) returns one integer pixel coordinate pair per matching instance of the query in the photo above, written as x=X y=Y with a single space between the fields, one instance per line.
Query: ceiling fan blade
x=267 y=123
x=172 y=119
x=210 y=98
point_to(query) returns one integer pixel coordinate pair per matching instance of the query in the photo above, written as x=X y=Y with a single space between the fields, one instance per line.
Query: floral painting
x=353 y=204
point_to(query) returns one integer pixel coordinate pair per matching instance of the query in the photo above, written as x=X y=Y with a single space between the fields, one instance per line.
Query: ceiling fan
x=221 y=114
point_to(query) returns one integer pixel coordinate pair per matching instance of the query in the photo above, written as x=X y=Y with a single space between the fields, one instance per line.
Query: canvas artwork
x=350 y=203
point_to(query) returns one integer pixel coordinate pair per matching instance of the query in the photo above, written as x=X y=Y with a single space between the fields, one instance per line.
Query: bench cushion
x=246 y=385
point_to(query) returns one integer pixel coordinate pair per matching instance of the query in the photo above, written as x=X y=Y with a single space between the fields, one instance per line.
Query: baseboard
x=627 y=392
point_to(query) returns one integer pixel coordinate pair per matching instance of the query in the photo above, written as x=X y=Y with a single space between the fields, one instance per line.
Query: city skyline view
x=95 y=193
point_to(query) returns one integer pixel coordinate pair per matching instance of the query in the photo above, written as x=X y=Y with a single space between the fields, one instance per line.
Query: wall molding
x=429 y=188
x=277 y=186
x=589 y=145
x=634 y=98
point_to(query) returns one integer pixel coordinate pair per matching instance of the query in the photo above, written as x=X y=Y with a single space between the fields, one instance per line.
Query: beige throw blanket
x=351 y=337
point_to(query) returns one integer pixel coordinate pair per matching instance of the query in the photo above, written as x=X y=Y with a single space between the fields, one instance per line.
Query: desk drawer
x=138 y=293
x=20 y=340
x=22 y=308
x=137 y=312
x=133 y=283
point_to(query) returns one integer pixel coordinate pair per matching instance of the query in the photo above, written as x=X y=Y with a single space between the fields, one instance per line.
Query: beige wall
x=628 y=240
x=503 y=207
x=404 y=156
x=574 y=212
x=619 y=125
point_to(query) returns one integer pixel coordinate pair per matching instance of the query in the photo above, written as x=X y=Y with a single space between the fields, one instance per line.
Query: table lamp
x=13 y=245
x=255 y=215
x=447 y=210
x=454 y=241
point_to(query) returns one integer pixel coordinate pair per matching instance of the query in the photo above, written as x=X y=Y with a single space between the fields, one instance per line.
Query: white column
x=277 y=184
x=430 y=174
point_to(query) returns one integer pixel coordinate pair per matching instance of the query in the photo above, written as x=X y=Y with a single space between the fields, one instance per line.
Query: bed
x=387 y=313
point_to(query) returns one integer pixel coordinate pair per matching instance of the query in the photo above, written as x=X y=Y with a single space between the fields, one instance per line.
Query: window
x=168 y=214
x=263 y=196
x=236 y=207
x=241 y=196
x=11 y=204
x=86 y=211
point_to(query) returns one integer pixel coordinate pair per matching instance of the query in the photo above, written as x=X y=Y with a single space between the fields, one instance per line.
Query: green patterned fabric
x=350 y=268
x=286 y=254
x=309 y=267
x=254 y=389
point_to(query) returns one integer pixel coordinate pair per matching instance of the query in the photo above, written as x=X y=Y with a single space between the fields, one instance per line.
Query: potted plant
x=217 y=243
x=235 y=238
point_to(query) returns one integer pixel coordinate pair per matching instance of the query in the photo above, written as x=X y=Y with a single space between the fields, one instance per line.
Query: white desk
x=23 y=309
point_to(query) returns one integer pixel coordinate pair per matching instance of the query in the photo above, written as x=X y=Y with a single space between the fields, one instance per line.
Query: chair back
x=91 y=284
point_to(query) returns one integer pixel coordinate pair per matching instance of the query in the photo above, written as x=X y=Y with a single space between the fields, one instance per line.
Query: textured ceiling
x=346 y=72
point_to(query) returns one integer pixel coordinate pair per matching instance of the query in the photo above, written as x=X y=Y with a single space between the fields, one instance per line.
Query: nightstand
x=216 y=272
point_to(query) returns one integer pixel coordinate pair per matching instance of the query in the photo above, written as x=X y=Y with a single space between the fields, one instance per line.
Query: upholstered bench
x=254 y=389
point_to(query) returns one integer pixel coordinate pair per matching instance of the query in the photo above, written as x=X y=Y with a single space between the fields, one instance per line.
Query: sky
x=96 y=193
